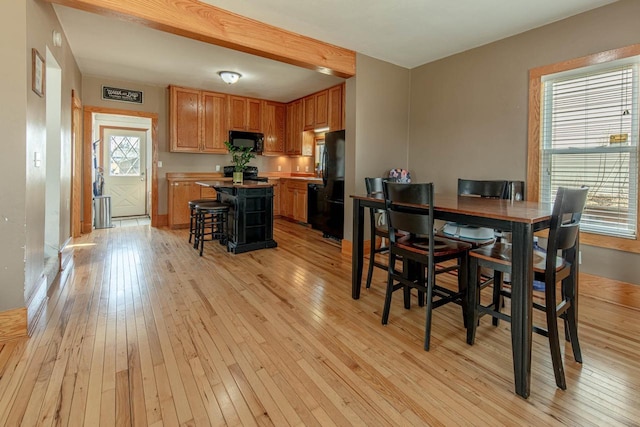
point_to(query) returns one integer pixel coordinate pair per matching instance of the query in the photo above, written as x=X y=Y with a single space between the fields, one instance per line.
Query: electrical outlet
x=279 y=168
x=306 y=168
x=217 y=168
x=159 y=163
x=297 y=168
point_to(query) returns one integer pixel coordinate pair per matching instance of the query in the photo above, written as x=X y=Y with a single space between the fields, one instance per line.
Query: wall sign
x=123 y=95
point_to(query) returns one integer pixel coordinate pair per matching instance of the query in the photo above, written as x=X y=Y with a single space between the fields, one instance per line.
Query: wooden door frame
x=87 y=190
x=76 y=165
x=101 y=158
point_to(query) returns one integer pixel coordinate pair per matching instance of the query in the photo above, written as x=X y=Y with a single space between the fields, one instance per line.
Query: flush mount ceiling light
x=229 y=77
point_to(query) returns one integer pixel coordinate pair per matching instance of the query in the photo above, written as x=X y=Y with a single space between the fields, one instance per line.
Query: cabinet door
x=276 y=196
x=287 y=192
x=322 y=109
x=309 y=115
x=335 y=110
x=254 y=115
x=294 y=128
x=273 y=126
x=300 y=205
x=180 y=193
x=214 y=122
x=184 y=120
x=208 y=193
x=279 y=136
x=237 y=112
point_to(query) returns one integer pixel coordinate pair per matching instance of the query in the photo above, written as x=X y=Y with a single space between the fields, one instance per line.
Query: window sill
x=618 y=243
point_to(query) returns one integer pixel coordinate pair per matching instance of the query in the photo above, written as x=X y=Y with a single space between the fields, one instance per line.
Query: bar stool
x=192 y=215
x=211 y=221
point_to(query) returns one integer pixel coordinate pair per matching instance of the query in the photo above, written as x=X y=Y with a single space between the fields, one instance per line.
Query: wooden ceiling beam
x=200 y=21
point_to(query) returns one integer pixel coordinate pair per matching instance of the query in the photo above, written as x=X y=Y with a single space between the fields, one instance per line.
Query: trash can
x=102 y=211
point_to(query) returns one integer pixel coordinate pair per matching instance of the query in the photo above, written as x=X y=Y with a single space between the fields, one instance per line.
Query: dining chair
x=476 y=236
x=420 y=251
x=549 y=268
x=211 y=223
x=378 y=229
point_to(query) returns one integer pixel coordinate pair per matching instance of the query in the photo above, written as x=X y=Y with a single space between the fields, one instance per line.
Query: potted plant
x=240 y=156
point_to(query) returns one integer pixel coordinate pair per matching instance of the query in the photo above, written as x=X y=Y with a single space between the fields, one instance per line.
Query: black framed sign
x=123 y=95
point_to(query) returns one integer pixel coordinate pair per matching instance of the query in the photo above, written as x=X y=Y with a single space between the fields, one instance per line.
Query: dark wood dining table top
x=500 y=209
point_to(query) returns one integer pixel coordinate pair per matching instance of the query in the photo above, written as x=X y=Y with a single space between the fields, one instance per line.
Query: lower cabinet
x=181 y=191
x=276 y=196
x=294 y=199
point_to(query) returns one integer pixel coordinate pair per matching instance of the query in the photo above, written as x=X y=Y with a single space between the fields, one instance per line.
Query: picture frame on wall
x=37 y=72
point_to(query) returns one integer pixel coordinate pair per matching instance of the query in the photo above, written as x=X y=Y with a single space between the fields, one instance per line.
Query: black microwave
x=253 y=140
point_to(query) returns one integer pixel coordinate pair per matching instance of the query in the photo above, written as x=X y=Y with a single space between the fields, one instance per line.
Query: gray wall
x=377 y=124
x=13 y=122
x=469 y=111
x=26 y=25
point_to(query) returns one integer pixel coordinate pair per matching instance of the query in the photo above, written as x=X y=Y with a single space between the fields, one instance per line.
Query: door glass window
x=124 y=156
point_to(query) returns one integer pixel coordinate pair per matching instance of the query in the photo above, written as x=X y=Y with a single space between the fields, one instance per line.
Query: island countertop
x=245 y=184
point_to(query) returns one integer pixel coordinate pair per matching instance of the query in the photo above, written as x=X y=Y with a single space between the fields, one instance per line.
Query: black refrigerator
x=326 y=202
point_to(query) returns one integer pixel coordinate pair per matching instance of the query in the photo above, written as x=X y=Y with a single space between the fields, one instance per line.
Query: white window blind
x=590 y=137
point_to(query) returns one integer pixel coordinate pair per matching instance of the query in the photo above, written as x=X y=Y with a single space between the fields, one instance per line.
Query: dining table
x=521 y=218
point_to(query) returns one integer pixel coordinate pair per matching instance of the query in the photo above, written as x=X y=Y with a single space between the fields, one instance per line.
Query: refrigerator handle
x=324 y=166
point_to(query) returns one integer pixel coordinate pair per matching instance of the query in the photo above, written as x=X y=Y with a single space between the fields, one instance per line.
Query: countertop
x=216 y=176
x=227 y=183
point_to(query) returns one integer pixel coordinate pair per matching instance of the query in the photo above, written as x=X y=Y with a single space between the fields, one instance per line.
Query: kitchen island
x=250 y=220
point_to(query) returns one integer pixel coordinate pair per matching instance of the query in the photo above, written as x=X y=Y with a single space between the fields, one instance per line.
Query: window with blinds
x=589 y=135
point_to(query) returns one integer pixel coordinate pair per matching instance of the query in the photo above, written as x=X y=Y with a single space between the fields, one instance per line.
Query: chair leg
x=191 y=224
x=196 y=236
x=387 y=297
x=429 y=303
x=463 y=286
x=372 y=257
x=497 y=295
x=554 y=338
x=571 y=320
x=473 y=299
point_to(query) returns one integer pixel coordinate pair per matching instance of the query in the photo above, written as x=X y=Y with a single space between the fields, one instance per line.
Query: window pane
x=590 y=137
x=125 y=156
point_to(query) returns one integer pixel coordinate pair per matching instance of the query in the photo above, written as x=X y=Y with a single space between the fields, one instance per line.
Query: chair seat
x=211 y=205
x=475 y=243
x=501 y=253
x=193 y=203
x=441 y=247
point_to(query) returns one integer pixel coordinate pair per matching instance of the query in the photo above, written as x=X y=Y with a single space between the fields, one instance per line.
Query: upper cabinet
x=294 y=128
x=214 y=123
x=273 y=126
x=197 y=121
x=316 y=111
x=335 y=108
x=245 y=114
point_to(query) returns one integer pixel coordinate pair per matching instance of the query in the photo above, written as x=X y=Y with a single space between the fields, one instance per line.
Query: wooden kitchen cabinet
x=335 y=108
x=214 y=122
x=277 y=186
x=182 y=188
x=274 y=128
x=245 y=114
x=316 y=110
x=197 y=121
x=184 y=119
x=180 y=193
x=294 y=128
x=294 y=199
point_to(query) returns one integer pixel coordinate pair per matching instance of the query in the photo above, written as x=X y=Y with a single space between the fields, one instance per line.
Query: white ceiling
x=407 y=33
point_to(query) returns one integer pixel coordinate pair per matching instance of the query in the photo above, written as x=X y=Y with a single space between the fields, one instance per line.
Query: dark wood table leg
x=521 y=308
x=357 y=253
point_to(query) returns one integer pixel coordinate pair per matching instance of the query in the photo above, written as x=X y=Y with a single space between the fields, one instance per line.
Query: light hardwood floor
x=143 y=331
